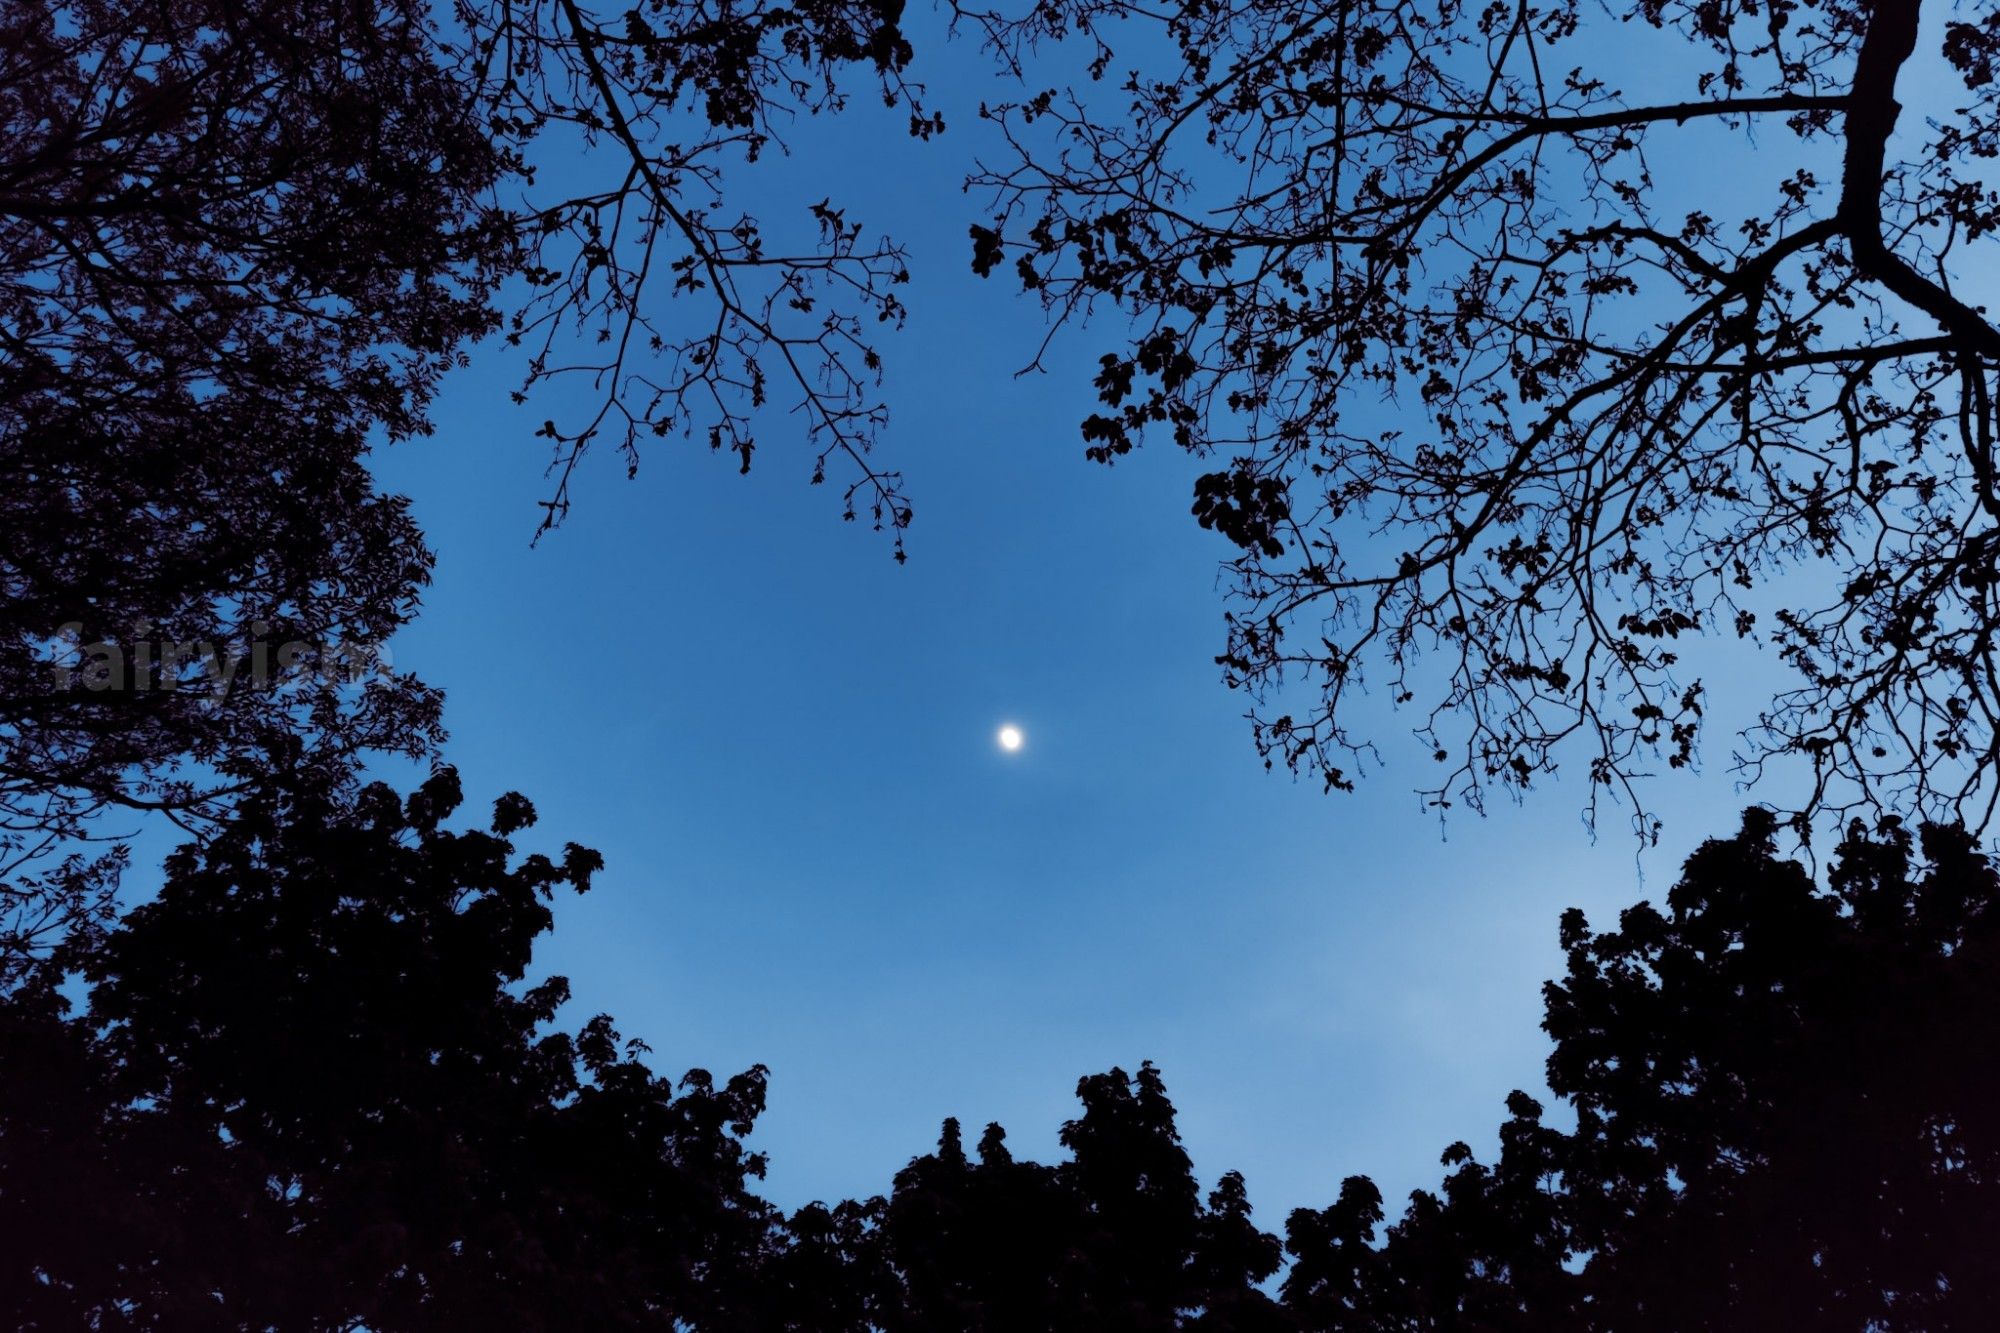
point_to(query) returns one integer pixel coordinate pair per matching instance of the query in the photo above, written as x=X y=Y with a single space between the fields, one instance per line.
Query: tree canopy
x=1510 y=397
x=648 y=283
x=241 y=243
x=234 y=241
x=1513 y=400
x=1517 y=385
x=316 y=1084
x=313 y=1088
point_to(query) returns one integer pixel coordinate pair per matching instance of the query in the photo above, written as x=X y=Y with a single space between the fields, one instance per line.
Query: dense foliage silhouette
x=235 y=239
x=312 y=1089
x=314 y=1085
x=241 y=242
x=1781 y=1118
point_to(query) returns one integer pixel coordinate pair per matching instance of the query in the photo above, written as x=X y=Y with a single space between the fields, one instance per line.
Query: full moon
x=1011 y=738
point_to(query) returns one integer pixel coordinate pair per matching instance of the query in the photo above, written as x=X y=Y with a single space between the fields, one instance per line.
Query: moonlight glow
x=1011 y=738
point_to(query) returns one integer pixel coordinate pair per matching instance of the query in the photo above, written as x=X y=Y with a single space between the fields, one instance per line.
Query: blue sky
x=820 y=860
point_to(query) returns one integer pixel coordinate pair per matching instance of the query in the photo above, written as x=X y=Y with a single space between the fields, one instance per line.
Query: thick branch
x=1889 y=42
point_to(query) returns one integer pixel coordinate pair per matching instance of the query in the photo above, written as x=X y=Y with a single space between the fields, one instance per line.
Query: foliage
x=1115 y=1237
x=676 y=97
x=235 y=239
x=313 y=1083
x=239 y=243
x=1509 y=403
x=314 y=1087
x=1780 y=1116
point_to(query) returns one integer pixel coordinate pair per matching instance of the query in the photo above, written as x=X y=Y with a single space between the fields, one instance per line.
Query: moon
x=1011 y=738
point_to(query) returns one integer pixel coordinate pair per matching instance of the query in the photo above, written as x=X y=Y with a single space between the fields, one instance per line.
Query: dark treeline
x=315 y=1082
x=314 y=1085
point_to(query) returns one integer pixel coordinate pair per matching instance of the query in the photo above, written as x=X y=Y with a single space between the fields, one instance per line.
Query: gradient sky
x=819 y=859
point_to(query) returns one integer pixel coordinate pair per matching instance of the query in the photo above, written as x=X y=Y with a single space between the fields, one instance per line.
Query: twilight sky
x=819 y=859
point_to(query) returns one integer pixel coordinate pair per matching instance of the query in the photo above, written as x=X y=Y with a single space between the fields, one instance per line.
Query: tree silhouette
x=1114 y=1238
x=312 y=1088
x=235 y=239
x=1781 y=1088
x=1781 y=1116
x=240 y=241
x=1515 y=385
x=1506 y=412
x=653 y=288
x=313 y=1084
